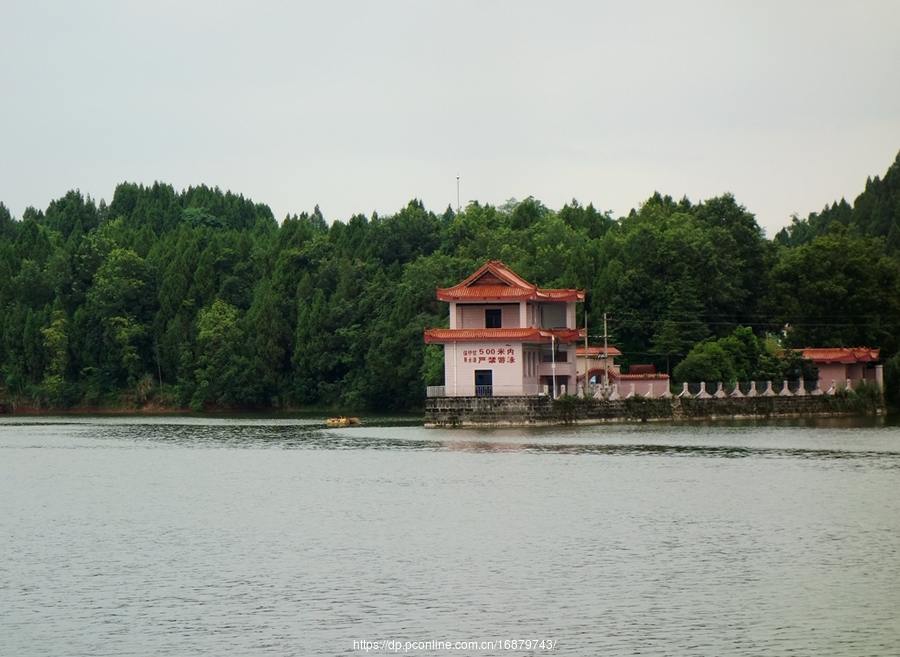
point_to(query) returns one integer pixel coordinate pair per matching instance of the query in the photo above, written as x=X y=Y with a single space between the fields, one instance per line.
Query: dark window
x=484 y=383
x=492 y=318
x=553 y=316
x=547 y=355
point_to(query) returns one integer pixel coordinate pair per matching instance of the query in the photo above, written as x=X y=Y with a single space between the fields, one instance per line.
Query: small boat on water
x=341 y=421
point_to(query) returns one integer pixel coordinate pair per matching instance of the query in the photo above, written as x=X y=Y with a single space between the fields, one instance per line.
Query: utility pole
x=553 y=362
x=587 y=356
x=605 y=355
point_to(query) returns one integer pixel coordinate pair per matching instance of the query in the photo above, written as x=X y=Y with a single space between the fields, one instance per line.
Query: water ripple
x=280 y=537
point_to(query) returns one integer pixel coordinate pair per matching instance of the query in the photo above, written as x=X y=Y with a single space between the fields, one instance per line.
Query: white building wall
x=507 y=368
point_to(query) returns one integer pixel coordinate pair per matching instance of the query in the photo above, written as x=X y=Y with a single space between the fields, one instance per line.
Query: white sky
x=361 y=106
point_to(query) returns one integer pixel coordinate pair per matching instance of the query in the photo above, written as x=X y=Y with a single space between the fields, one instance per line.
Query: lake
x=276 y=536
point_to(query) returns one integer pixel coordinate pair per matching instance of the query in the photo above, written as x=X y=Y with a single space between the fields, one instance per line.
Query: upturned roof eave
x=441 y=336
x=521 y=290
x=448 y=294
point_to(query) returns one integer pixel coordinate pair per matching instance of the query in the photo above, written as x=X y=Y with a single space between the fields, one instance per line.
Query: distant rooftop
x=842 y=355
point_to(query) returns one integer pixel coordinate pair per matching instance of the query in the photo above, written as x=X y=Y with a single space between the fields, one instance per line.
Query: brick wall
x=526 y=411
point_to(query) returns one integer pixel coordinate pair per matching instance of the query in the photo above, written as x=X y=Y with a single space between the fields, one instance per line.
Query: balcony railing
x=620 y=390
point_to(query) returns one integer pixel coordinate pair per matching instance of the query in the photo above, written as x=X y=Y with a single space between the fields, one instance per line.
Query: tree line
x=200 y=299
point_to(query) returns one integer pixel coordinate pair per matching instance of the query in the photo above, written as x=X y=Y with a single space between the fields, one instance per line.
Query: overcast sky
x=362 y=106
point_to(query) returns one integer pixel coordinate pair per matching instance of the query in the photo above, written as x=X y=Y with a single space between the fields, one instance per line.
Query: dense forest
x=201 y=299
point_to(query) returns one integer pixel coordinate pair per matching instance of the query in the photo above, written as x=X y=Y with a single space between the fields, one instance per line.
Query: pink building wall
x=470 y=356
x=472 y=316
x=531 y=366
x=565 y=372
x=525 y=375
x=840 y=372
x=650 y=385
x=829 y=372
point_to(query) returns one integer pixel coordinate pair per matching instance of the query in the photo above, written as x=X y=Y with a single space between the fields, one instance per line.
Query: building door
x=484 y=383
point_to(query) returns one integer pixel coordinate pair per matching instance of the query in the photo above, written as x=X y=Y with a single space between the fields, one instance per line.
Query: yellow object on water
x=341 y=421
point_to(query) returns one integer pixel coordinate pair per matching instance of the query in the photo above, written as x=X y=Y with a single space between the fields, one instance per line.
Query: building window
x=492 y=318
x=547 y=355
x=553 y=316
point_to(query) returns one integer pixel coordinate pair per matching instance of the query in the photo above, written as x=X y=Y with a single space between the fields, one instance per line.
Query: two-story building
x=507 y=337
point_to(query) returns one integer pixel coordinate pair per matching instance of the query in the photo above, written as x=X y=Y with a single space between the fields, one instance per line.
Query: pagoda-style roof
x=507 y=334
x=494 y=281
x=842 y=355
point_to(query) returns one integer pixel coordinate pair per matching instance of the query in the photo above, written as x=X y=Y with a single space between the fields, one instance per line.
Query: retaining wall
x=536 y=411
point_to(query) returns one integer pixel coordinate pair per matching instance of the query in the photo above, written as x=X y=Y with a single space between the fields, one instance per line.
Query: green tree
x=224 y=373
x=120 y=307
x=8 y=226
x=309 y=347
x=269 y=338
x=837 y=291
x=56 y=345
x=706 y=362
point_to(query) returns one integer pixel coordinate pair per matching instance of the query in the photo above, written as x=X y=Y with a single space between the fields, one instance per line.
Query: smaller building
x=843 y=366
x=594 y=360
x=646 y=384
x=641 y=380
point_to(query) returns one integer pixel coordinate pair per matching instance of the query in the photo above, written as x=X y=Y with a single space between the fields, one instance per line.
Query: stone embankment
x=538 y=411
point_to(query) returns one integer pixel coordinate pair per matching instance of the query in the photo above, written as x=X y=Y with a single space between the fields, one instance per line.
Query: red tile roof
x=494 y=280
x=597 y=351
x=502 y=334
x=842 y=355
x=628 y=377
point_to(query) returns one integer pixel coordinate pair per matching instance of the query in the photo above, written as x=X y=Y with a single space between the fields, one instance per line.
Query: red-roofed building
x=596 y=362
x=838 y=365
x=507 y=337
x=641 y=379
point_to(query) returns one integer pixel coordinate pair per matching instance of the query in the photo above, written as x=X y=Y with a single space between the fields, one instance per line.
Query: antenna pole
x=458 y=233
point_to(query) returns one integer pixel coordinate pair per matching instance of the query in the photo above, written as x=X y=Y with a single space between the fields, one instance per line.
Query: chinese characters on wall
x=490 y=355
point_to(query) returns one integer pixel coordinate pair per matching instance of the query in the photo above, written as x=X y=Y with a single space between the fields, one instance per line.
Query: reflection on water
x=820 y=438
x=262 y=536
x=884 y=459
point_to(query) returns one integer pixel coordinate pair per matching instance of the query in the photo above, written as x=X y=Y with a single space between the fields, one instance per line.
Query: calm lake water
x=230 y=536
